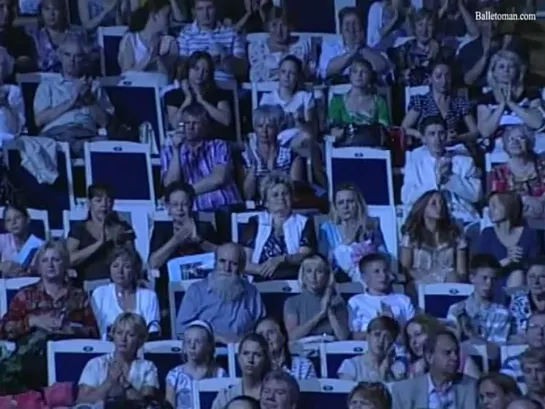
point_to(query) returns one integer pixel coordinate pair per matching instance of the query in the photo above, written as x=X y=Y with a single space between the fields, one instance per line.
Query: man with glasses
x=535 y=338
x=72 y=107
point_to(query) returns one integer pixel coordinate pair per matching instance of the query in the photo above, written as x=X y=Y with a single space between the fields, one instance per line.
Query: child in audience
x=199 y=363
x=477 y=317
x=379 y=363
x=378 y=298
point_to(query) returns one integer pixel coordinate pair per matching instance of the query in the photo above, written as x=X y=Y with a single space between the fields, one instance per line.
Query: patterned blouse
x=301 y=368
x=48 y=57
x=521 y=308
x=264 y=63
x=502 y=179
x=253 y=160
x=433 y=265
x=73 y=304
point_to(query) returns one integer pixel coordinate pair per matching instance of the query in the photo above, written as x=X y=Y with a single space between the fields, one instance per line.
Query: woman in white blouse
x=124 y=295
x=121 y=374
x=199 y=363
x=12 y=107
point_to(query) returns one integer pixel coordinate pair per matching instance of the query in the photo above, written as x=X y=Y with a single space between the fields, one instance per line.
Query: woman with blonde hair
x=121 y=374
x=415 y=334
x=278 y=239
x=199 y=362
x=509 y=101
x=349 y=233
x=318 y=310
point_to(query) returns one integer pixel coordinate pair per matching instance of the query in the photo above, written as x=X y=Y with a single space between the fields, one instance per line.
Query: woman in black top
x=92 y=242
x=198 y=86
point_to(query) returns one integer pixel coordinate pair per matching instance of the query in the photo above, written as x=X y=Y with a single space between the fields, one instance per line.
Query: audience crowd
x=427 y=81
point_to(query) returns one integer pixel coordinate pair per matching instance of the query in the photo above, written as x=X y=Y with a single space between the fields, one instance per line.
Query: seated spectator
x=534 y=337
x=202 y=161
x=415 y=336
x=125 y=294
x=199 y=87
x=441 y=101
x=186 y=235
x=318 y=310
x=478 y=318
x=71 y=108
x=524 y=403
x=51 y=309
x=530 y=300
x=533 y=369
x=53 y=29
x=275 y=333
x=361 y=105
x=254 y=362
x=455 y=20
x=277 y=240
x=509 y=101
x=223 y=43
x=95 y=13
x=387 y=21
x=18 y=246
x=474 y=57
x=229 y=303
x=497 y=390
x=146 y=46
x=432 y=167
x=508 y=240
x=433 y=249
x=265 y=55
x=414 y=59
x=378 y=298
x=523 y=173
x=93 y=241
x=378 y=363
x=14 y=39
x=12 y=105
x=350 y=233
x=442 y=354
x=280 y=390
x=122 y=374
x=370 y=395
x=264 y=153
x=199 y=362
x=337 y=56
x=243 y=402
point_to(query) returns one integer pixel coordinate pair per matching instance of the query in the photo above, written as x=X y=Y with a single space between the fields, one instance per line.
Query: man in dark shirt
x=17 y=43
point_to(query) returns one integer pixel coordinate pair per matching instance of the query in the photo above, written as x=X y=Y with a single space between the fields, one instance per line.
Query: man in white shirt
x=477 y=317
x=223 y=43
x=431 y=167
x=378 y=298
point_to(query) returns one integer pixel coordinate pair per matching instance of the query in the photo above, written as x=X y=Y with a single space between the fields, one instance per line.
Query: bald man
x=224 y=299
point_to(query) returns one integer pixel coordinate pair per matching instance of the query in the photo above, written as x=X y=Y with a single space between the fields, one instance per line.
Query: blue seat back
x=54 y=198
x=274 y=303
x=374 y=187
x=111 y=49
x=164 y=363
x=106 y=166
x=438 y=305
x=207 y=399
x=135 y=105
x=322 y=400
x=69 y=366
x=10 y=294
x=28 y=90
x=323 y=17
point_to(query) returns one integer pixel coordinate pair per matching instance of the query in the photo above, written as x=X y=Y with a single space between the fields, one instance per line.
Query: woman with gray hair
x=12 y=106
x=523 y=173
x=263 y=153
x=277 y=239
x=124 y=294
x=508 y=102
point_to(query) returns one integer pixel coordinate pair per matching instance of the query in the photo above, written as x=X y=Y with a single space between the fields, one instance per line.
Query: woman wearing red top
x=523 y=173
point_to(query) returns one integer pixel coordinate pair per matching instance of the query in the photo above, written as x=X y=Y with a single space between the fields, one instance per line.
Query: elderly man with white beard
x=224 y=299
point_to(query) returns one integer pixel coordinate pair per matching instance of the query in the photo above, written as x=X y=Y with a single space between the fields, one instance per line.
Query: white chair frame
x=114 y=31
x=446 y=289
x=337 y=348
x=174 y=265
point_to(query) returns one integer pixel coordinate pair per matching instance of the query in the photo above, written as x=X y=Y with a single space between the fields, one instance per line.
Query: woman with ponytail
x=146 y=45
